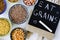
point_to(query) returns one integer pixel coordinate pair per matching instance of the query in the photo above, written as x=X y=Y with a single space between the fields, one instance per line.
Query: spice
x=17 y=34
x=2 y=6
x=4 y=27
x=29 y=2
x=12 y=0
x=18 y=13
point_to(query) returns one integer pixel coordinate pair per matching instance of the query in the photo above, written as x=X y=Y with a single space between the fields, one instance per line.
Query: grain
x=4 y=27
x=2 y=6
x=18 y=14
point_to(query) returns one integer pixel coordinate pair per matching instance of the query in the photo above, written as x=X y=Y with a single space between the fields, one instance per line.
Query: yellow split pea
x=4 y=27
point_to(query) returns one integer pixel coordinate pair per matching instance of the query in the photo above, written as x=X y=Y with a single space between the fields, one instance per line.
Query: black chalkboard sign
x=45 y=16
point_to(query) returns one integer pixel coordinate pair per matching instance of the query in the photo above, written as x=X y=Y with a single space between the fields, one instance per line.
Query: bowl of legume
x=18 y=34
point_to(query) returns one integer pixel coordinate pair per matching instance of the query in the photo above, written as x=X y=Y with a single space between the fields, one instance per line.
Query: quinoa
x=18 y=14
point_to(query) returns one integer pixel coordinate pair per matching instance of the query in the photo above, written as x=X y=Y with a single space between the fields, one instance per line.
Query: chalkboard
x=45 y=16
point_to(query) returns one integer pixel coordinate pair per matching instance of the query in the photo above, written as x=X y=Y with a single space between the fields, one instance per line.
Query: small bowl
x=18 y=28
x=26 y=14
x=4 y=7
x=29 y=4
x=9 y=28
x=13 y=1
